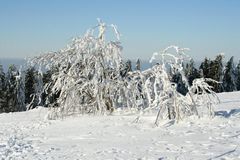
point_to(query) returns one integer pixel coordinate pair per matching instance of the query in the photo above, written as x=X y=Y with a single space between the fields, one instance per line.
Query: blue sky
x=207 y=27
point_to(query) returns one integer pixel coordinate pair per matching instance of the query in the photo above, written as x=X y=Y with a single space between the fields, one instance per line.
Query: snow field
x=29 y=135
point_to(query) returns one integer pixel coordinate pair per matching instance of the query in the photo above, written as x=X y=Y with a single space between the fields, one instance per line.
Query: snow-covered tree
x=173 y=104
x=89 y=73
x=177 y=106
x=204 y=95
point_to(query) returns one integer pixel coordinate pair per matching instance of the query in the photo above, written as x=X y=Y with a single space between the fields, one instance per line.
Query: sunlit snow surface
x=28 y=135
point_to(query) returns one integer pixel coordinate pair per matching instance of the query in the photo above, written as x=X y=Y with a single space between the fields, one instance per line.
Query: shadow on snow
x=227 y=114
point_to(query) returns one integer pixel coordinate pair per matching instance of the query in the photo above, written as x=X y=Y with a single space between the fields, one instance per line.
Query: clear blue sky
x=207 y=27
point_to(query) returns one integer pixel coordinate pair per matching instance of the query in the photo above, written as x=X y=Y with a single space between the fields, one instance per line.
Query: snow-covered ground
x=28 y=135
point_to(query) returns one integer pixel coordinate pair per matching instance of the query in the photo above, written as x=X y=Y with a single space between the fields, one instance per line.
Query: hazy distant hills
x=8 y=61
x=18 y=62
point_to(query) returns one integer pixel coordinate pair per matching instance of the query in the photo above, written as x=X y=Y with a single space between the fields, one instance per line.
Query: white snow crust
x=29 y=135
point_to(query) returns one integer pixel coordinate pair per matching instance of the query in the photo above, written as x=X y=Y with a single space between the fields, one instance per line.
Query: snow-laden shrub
x=161 y=92
x=88 y=76
x=89 y=80
x=203 y=94
x=171 y=103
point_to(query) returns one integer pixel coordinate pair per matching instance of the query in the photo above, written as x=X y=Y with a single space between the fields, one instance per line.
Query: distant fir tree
x=49 y=99
x=127 y=67
x=181 y=86
x=30 y=91
x=11 y=89
x=47 y=89
x=3 y=103
x=238 y=76
x=33 y=88
x=138 y=65
x=38 y=87
x=2 y=77
x=205 y=68
x=229 y=77
x=191 y=72
x=218 y=72
x=213 y=69
x=20 y=92
x=15 y=90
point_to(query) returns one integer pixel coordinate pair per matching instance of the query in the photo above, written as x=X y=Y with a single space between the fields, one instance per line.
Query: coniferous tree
x=2 y=77
x=15 y=90
x=38 y=87
x=34 y=88
x=20 y=92
x=129 y=66
x=213 y=69
x=191 y=72
x=49 y=99
x=211 y=73
x=229 y=77
x=126 y=68
x=29 y=87
x=2 y=90
x=215 y=72
x=238 y=76
x=218 y=72
x=11 y=89
x=47 y=92
x=181 y=86
x=205 y=67
x=138 y=65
